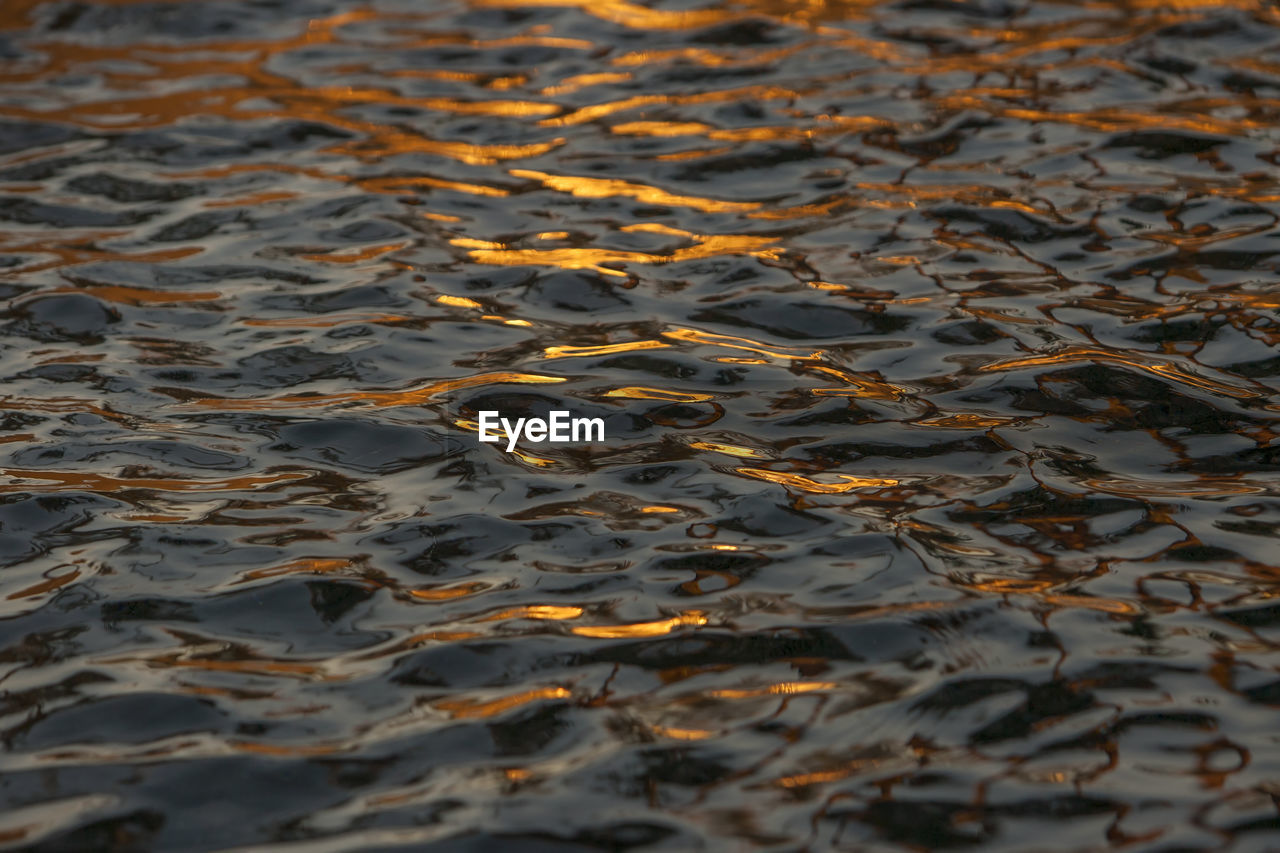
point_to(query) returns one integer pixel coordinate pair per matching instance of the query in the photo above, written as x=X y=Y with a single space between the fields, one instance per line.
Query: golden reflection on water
x=467 y=708
x=632 y=392
x=411 y=397
x=656 y=628
x=44 y=480
x=846 y=482
x=586 y=187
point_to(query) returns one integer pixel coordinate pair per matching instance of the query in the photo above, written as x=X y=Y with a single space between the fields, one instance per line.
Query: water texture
x=936 y=347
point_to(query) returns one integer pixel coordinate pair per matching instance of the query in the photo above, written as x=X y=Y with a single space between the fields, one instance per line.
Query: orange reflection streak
x=124 y=295
x=627 y=14
x=68 y=481
x=470 y=708
x=1106 y=605
x=817 y=777
x=786 y=688
x=831 y=125
x=247 y=665
x=351 y=256
x=81 y=358
x=18 y=13
x=496 y=253
x=448 y=593
x=392 y=185
x=604 y=349
x=227 y=100
x=250 y=667
x=582 y=81
x=695 y=55
x=1203 y=487
x=643 y=629
x=662 y=128
x=478 y=78
x=216 y=172
x=607 y=187
x=965 y=421
x=676 y=733
x=488 y=108
x=805 y=484
x=72 y=252
x=412 y=397
x=326 y=322
x=458 y=301
x=859 y=386
x=805 y=211
x=1011 y=586
x=62 y=404
x=695 y=154
x=1196 y=241
x=319 y=30
x=1111 y=119
x=734 y=342
x=536 y=461
x=1042 y=590
x=256 y=198
x=47 y=585
x=313 y=566
x=536 y=611
x=323 y=104
x=413 y=642
x=507 y=41
x=640 y=392
x=381 y=142
x=897 y=197
x=705 y=246
x=595 y=111
x=584 y=187
x=1138 y=361
x=728 y=449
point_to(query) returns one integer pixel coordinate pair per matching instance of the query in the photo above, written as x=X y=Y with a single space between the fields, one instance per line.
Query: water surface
x=936 y=346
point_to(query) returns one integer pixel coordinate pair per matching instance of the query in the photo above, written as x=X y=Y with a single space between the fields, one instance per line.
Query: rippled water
x=936 y=347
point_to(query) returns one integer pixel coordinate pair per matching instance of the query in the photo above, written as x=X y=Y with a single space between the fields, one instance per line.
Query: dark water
x=936 y=346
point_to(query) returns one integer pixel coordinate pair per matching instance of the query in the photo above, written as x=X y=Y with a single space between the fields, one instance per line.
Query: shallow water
x=935 y=344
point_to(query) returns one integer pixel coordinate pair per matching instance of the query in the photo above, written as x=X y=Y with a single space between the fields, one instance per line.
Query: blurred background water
x=936 y=346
